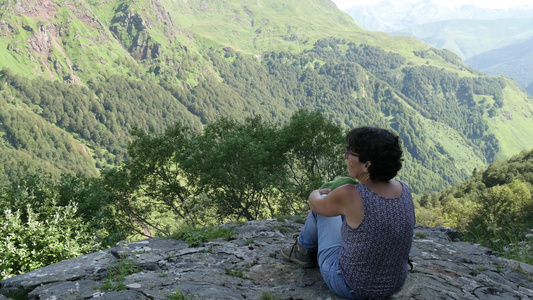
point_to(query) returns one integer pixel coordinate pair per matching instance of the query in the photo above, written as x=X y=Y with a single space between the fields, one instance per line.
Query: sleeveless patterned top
x=373 y=258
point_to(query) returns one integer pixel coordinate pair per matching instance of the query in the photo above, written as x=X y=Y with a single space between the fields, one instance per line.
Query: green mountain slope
x=94 y=70
x=517 y=112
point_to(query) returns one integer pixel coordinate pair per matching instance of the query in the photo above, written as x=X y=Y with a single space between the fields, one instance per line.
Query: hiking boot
x=299 y=255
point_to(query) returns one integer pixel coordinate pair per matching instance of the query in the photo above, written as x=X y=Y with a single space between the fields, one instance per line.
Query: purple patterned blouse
x=373 y=258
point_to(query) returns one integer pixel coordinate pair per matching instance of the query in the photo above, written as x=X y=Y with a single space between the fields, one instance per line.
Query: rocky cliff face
x=250 y=267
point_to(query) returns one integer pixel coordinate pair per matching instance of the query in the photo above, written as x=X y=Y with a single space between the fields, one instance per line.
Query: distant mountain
x=515 y=60
x=398 y=15
x=468 y=31
x=468 y=38
x=76 y=77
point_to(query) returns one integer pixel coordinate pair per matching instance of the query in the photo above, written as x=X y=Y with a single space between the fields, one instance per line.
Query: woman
x=362 y=233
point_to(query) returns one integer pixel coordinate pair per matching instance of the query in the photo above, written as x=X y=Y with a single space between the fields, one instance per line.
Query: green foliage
x=455 y=105
x=268 y=296
x=169 y=171
x=349 y=84
x=180 y=296
x=28 y=140
x=156 y=171
x=512 y=242
x=195 y=236
x=99 y=115
x=420 y=235
x=117 y=273
x=46 y=220
x=493 y=207
x=35 y=243
x=36 y=231
x=232 y=171
x=96 y=206
x=314 y=147
x=239 y=166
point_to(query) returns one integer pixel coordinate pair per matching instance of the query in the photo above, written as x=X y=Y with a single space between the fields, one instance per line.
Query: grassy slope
x=248 y=26
x=258 y=26
x=75 y=47
x=13 y=48
x=514 y=124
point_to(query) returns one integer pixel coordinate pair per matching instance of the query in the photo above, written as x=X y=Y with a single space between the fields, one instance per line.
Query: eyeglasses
x=347 y=153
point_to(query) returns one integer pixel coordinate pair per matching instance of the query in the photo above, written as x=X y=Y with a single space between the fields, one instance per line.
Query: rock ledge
x=250 y=266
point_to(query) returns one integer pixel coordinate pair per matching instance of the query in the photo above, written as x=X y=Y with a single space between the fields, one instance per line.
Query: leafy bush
x=231 y=172
x=35 y=238
x=42 y=222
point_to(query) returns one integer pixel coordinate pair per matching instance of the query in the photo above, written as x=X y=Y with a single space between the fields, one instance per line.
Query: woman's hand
x=326 y=202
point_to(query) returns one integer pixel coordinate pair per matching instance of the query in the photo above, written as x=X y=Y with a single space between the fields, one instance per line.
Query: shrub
x=195 y=236
x=44 y=236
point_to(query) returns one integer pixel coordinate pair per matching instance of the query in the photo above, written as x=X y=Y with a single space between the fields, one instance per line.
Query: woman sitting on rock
x=361 y=234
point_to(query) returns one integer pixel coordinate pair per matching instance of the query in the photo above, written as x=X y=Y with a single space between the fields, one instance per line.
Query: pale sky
x=344 y=4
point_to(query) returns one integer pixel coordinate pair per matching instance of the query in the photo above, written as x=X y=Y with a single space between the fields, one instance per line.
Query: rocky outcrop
x=133 y=30
x=41 y=42
x=250 y=267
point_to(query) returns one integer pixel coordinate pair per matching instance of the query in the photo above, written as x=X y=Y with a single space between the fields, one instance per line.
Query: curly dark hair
x=379 y=146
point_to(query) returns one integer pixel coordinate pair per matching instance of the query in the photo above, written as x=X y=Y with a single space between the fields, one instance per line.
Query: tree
x=314 y=148
x=240 y=167
x=232 y=171
x=153 y=180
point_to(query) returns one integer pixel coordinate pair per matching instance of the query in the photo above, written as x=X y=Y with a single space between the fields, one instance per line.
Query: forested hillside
x=78 y=76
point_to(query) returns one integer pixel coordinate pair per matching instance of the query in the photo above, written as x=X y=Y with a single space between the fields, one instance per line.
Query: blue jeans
x=324 y=234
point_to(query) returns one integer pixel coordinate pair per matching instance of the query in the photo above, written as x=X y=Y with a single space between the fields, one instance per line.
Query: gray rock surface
x=250 y=267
